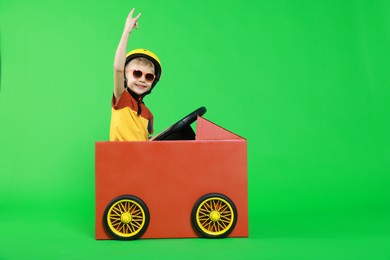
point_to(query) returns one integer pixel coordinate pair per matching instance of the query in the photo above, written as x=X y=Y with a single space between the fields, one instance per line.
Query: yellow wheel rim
x=214 y=216
x=126 y=218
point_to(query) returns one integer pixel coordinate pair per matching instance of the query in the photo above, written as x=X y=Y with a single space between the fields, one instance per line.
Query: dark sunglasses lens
x=149 y=77
x=137 y=73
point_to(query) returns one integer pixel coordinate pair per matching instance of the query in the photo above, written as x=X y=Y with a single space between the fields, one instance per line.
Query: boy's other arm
x=120 y=54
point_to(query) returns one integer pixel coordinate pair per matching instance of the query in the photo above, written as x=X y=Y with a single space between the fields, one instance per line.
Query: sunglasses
x=149 y=77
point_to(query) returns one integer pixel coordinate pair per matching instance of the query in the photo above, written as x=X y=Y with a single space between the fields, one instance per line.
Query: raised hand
x=132 y=22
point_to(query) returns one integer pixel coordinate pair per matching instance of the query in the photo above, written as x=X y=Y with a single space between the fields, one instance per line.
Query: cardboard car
x=173 y=188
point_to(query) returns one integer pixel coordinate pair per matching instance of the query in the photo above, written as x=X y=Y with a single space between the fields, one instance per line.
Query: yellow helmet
x=150 y=56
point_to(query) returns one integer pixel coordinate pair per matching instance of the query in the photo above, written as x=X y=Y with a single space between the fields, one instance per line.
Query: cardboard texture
x=170 y=176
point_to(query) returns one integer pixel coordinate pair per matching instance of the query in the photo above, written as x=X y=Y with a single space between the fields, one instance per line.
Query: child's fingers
x=131 y=12
x=138 y=16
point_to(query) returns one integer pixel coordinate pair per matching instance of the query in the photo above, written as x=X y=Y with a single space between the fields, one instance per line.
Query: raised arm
x=120 y=54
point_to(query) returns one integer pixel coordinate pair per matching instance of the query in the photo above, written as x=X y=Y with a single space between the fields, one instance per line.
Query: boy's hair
x=141 y=61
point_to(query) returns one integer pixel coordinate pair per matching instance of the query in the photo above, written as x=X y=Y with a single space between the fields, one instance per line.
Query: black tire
x=214 y=215
x=126 y=217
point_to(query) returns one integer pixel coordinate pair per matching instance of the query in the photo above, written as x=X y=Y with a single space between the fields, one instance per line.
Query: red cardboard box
x=170 y=177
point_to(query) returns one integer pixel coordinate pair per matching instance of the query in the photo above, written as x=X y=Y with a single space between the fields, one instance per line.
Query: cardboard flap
x=206 y=130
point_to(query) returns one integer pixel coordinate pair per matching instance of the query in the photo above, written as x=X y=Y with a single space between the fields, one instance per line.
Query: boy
x=135 y=75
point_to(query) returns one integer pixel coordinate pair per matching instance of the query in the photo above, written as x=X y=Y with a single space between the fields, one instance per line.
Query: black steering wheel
x=181 y=130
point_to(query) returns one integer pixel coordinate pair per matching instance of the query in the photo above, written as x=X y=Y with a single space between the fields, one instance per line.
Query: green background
x=306 y=82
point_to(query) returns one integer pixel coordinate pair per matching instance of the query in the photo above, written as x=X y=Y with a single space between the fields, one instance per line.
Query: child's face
x=137 y=82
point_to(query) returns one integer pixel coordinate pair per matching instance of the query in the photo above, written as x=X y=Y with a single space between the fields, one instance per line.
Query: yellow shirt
x=126 y=125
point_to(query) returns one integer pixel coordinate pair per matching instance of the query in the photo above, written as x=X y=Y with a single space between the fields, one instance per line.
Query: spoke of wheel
x=115 y=224
x=130 y=228
x=203 y=213
x=208 y=209
x=226 y=212
x=223 y=208
x=114 y=210
x=204 y=218
x=210 y=224
x=205 y=223
x=122 y=208
x=202 y=210
x=137 y=217
x=136 y=212
x=220 y=224
x=226 y=218
x=117 y=209
x=217 y=205
x=135 y=224
x=213 y=204
x=131 y=207
x=124 y=230
x=134 y=227
x=120 y=228
x=114 y=221
x=208 y=206
x=115 y=217
x=125 y=206
x=214 y=228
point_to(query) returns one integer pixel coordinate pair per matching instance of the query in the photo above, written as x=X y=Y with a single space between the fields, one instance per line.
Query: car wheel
x=214 y=215
x=126 y=217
